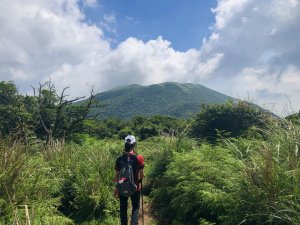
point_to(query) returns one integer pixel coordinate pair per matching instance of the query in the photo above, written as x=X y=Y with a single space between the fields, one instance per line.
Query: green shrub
x=197 y=185
x=227 y=120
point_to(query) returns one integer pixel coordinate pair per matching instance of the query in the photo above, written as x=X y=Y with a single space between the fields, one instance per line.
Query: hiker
x=129 y=172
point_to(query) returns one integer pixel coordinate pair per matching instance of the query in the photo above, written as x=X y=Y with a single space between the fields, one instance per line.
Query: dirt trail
x=148 y=219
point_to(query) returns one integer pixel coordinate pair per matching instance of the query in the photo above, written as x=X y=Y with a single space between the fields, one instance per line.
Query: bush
x=241 y=181
x=227 y=120
x=197 y=186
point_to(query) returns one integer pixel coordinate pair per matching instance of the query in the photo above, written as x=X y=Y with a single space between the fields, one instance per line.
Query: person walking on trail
x=129 y=172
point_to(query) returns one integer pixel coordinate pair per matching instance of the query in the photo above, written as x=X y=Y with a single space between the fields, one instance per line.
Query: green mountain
x=171 y=99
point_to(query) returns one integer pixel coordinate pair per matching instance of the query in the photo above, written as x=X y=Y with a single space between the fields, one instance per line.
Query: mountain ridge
x=181 y=100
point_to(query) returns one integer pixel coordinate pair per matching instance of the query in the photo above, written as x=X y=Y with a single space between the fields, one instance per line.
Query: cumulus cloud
x=40 y=37
x=135 y=61
x=90 y=3
x=274 y=90
x=109 y=23
x=253 y=50
x=50 y=39
x=260 y=42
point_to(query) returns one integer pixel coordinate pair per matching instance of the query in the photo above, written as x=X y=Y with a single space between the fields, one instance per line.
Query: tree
x=58 y=116
x=14 y=117
x=229 y=120
x=47 y=113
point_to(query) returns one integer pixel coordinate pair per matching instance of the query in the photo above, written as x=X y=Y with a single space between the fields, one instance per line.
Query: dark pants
x=135 y=201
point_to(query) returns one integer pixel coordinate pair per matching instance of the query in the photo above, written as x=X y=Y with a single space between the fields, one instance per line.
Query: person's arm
x=116 y=193
x=117 y=173
x=141 y=174
x=141 y=165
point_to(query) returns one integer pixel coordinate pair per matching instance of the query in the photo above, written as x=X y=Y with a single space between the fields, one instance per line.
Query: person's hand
x=139 y=187
x=116 y=193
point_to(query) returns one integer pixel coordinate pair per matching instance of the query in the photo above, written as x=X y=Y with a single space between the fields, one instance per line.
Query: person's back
x=129 y=164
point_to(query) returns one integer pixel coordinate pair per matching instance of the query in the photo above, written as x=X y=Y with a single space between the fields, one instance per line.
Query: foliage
x=240 y=181
x=27 y=181
x=145 y=127
x=197 y=186
x=47 y=113
x=59 y=184
x=272 y=178
x=294 y=118
x=13 y=114
x=168 y=99
x=141 y=126
x=87 y=188
x=245 y=170
x=232 y=119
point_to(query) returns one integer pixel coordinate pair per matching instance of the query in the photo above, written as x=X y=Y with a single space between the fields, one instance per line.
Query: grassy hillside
x=172 y=99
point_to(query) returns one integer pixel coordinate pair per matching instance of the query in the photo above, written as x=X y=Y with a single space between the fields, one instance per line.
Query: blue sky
x=242 y=48
x=183 y=23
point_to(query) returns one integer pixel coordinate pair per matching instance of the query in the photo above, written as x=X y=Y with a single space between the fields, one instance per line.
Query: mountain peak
x=170 y=98
x=127 y=87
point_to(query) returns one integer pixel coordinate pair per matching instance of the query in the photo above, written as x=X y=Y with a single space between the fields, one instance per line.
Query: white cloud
x=41 y=36
x=110 y=18
x=90 y=3
x=227 y=10
x=271 y=89
x=135 y=61
x=109 y=23
x=207 y=68
x=253 y=49
x=49 y=39
x=260 y=41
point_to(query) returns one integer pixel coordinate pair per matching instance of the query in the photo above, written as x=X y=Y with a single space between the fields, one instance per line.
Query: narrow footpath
x=148 y=219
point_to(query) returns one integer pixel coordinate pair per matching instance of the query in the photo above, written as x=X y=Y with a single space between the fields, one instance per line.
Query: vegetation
x=168 y=99
x=294 y=118
x=47 y=113
x=241 y=181
x=60 y=184
x=232 y=119
x=230 y=164
x=141 y=126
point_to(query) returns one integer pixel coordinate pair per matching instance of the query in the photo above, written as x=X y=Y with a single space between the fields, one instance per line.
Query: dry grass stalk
x=27 y=215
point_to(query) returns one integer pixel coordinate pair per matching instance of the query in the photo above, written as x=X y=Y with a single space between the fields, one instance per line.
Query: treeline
x=47 y=114
x=51 y=115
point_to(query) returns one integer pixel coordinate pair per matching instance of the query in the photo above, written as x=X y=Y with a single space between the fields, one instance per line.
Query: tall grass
x=59 y=184
x=88 y=173
x=272 y=177
x=253 y=180
x=26 y=184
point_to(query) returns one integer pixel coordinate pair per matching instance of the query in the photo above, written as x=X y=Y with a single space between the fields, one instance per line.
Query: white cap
x=130 y=139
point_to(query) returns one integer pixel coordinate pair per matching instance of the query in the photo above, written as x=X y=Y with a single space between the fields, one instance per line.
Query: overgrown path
x=148 y=219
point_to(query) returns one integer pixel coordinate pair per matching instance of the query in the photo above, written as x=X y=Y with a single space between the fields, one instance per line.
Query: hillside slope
x=172 y=99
